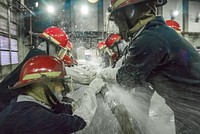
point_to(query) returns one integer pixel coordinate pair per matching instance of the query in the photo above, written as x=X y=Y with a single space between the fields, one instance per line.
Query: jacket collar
x=22 y=98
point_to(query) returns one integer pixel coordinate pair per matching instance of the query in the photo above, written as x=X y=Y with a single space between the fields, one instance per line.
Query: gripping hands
x=80 y=75
x=108 y=74
x=96 y=85
x=86 y=106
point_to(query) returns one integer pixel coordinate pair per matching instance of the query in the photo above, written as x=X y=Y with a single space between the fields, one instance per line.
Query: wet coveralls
x=162 y=57
x=31 y=118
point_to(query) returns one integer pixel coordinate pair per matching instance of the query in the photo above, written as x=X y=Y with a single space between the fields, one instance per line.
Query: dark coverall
x=31 y=118
x=5 y=94
x=168 y=62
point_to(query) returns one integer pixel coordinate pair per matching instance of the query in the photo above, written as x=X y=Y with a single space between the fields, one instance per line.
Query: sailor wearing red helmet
x=118 y=46
x=56 y=41
x=158 y=55
x=55 y=44
x=174 y=24
x=38 y=107
x=104 y=54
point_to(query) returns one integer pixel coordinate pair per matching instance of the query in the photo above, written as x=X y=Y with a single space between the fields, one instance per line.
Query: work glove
x=62 y=108
x=80 y=75
x=108 y=74
x=86 y=106
x=96 y=85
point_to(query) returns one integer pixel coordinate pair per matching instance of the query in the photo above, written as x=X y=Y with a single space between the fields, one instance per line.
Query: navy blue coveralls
x=31 y=118
x=163 y=58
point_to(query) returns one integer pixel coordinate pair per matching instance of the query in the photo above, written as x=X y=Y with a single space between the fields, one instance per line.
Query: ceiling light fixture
x=93 y=1
x=50 y=9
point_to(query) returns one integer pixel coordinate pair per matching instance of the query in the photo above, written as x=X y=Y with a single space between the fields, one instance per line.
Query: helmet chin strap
x=50 y=96
x=47 y=46
x=118 y=51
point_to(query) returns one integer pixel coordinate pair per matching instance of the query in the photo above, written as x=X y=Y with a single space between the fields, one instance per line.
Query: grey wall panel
x=3 y=11
x=13 y=29
x=18 y=49
x=3 y=25
x=13 y=16
x=4 y=70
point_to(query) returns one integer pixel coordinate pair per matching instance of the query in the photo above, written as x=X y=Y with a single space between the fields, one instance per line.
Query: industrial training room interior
x=86 y=23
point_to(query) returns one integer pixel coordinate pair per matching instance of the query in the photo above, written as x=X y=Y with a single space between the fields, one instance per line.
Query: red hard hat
x=173 y=24
x=117 y=4
x=37 y=67
x=101 y=45
x=68 y=61
x=56 y=35
x=112 y=39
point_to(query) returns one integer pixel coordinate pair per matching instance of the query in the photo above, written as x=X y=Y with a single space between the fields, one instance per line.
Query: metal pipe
x=31 y=30
x=185 y=16
x=100 y=16
x=9 y=27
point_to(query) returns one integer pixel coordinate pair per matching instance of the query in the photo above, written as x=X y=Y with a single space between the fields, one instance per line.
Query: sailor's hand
x=108 y=74
x=96 y=85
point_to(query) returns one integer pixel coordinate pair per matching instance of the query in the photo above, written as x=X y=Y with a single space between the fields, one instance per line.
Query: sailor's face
x=58 y=90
